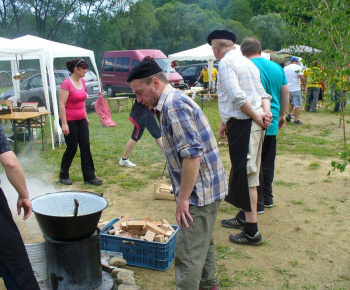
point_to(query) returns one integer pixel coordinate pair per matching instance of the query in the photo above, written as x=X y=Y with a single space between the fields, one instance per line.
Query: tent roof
x=293 y=49
x=9 y=49
x=30 y=47
x=203 y=52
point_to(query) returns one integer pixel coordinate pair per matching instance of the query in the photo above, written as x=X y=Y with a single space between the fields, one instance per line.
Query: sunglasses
x=82 y=60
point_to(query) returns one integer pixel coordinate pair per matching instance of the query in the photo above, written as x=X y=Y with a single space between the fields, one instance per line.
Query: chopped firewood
x=101 y=225
x=135 y=225
x=169 y=233
x=154 y=228
x=136 y=232
x=148 y=219
x=149 y=236
x=123 y=226
x=112 y=231
x=158 y=223
x=119 y=223
x=166 y=239
x=159 y=238
x=117 y=233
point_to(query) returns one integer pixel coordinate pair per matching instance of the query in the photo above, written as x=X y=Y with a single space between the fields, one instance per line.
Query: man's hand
x=88 y=121
x=268 y=119
x=182 y=212
x=26 y=205
x=263 y=119
x=281 y=122
x=223 y=130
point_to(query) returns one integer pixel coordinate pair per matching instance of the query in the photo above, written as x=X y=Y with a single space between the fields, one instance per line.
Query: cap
x=144 y=69
x=221 y=34
x=294 y=58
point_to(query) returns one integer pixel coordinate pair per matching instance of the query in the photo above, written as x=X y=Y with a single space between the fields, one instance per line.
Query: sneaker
x=66 y=181
x=260 y=211
x=94 y=181
x=235 y=223
x=126 y=163
x=288 y=118
x=269 y=205
x=298 y=122
x=243 y=239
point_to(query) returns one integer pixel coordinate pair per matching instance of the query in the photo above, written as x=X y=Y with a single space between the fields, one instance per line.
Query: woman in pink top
x=74 y=123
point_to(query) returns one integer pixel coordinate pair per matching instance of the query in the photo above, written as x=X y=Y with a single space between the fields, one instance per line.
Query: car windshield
x=90 y=77
x=163 y=63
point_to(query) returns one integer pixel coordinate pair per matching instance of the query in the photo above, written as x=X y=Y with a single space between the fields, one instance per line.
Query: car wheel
x=110 y=92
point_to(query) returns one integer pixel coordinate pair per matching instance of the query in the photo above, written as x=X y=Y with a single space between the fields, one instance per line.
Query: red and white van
x=116 y=66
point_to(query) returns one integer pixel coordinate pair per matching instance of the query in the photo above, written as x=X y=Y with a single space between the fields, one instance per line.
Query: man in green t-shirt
x=275 y=84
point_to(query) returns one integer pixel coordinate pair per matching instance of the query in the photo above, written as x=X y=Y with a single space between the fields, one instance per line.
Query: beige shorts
x=256 y=140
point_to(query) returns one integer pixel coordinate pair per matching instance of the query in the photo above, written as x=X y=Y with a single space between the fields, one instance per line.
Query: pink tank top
x=75 y=106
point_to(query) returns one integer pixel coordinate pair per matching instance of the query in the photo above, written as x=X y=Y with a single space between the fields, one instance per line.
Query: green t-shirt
x=272 y=78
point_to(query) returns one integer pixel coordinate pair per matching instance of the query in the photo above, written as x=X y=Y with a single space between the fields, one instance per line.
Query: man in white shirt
x=245 y=110
x=294 y=75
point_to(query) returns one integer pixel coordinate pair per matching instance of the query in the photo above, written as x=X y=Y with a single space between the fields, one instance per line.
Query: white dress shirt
x=238 y=82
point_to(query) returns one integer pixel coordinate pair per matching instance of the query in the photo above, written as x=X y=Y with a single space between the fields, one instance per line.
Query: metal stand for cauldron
x=76 y=265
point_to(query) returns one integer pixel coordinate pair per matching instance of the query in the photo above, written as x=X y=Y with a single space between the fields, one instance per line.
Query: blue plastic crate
x=152 y=255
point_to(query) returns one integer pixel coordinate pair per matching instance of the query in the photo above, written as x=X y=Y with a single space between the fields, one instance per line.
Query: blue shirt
x=272 y=79
x=186 y=133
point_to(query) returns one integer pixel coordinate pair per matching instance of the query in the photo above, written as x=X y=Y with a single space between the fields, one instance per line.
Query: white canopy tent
x=9 y=51
x=203 y=52
x=49 y=51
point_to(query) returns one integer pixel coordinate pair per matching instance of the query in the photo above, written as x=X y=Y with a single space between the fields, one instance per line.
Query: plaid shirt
x=238 y=82
x=187 y=134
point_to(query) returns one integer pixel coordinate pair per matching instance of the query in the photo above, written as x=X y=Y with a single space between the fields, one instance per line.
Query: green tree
x=324 y=24
x=238 y=10
x=271 y=30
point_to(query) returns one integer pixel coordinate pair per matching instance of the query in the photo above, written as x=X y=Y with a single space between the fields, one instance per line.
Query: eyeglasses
x=79 y=62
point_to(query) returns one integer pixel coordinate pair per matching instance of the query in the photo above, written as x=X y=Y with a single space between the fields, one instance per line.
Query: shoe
x=298 y=122
x=261 y=211
x=243 y=239
x=288 y=118
x=94 y=181
x=269 y=205
x=126 y=163
x=66 y=181
x=235 y=223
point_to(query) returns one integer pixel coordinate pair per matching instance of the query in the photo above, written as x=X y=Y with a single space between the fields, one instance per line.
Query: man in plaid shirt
x=196 y=171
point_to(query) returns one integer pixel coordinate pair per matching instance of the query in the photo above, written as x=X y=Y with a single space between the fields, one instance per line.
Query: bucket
x=37 y=258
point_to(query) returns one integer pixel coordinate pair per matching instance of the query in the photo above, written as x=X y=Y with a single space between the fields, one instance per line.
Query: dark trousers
x=78 y=135
x=267 y=171
x=9 y=280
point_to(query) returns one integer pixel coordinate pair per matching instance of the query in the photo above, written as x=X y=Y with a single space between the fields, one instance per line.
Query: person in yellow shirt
x=205 y=74
x=214 y=74
x=314 y=77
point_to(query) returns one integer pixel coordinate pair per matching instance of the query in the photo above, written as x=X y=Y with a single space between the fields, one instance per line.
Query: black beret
x=221 y=34
x=144 y=69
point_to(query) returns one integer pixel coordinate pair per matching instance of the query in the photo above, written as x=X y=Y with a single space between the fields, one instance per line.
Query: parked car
x=116 y=66
x=190 y=73
x=32 y=88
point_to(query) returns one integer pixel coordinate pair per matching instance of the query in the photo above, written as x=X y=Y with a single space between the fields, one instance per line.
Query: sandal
x=235 y=223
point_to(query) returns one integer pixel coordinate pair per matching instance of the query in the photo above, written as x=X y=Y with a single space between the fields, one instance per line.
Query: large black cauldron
x=55 y=214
